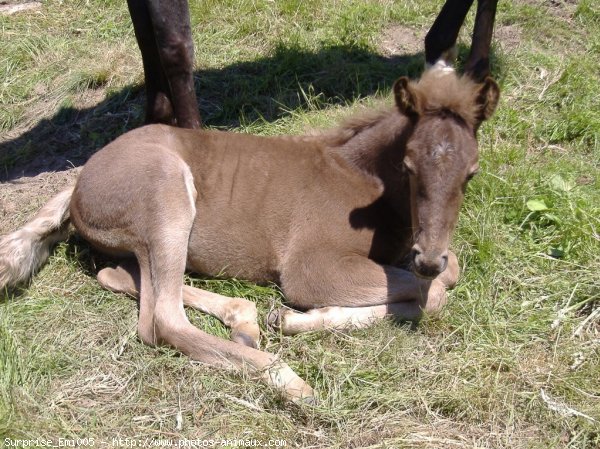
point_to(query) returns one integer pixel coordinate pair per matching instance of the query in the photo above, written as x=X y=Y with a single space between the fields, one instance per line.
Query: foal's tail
x=24 y=251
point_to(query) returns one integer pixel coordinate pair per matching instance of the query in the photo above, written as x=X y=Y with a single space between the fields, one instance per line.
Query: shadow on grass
x=263 y=89
x=88 y=260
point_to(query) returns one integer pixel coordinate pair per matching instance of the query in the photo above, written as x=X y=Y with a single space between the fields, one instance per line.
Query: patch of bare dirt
x=560 y=8
x=9 y=7
x=401 y=40
x=509 y=36
x=21 y=198
x=52 y=138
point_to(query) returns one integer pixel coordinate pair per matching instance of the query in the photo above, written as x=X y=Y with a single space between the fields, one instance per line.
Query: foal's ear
x=407 y=98
x=487 y=98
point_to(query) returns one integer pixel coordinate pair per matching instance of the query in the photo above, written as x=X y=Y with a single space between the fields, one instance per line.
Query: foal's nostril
x=428 y=265
x=414 y=253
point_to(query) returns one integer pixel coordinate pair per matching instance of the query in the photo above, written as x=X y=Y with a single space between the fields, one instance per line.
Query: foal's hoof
x=436 y=298
x=293 y=387
x=283 y=320
x=246 y=333
x=449 y=277
x=292 y=322
x=244 y=339
x=307 y=400
x=274 y=319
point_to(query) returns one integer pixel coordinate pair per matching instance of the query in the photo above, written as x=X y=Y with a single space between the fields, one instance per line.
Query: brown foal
x=354 y=224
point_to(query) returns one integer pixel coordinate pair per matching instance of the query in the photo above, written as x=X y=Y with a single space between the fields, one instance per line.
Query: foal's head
x=441 y=156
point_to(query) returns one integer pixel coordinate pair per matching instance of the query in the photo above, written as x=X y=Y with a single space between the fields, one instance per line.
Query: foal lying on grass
x=336 y=220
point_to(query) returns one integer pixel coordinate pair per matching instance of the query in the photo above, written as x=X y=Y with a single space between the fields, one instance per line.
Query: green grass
x=509 y=363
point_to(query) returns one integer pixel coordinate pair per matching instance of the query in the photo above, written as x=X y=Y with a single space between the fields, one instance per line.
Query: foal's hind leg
x=170 y=325
x=125 y=278
x=236 y=313
x=162 y=260
x=146 y=206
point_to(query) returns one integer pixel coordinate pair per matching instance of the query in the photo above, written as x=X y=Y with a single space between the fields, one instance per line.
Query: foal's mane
x=439 y=91
x=442 y=90
x=355 y=125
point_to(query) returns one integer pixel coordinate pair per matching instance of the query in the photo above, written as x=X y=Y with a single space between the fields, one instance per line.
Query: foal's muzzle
x=428 y=264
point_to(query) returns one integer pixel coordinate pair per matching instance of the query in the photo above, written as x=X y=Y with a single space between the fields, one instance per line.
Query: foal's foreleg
x=449 y=277
x=368 y=292
x=293 y=322
x=236 y=313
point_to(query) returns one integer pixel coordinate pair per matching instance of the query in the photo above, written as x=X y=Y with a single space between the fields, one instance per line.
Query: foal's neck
x=376 y=146
x=375 y=149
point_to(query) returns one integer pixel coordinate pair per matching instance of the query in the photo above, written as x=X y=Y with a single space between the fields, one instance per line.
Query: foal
x=334 y=219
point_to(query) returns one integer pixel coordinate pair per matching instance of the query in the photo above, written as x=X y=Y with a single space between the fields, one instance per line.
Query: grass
x=512 y=362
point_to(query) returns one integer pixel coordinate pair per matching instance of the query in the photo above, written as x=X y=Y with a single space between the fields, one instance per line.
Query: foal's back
x=261 y=200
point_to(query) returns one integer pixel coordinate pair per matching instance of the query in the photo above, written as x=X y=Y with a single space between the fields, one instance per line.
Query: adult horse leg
x=163 y=32
x=478 y=63
x=171 y=22
x=374 y=292
x=440 y=41
x=158 y=103
x=238 y=314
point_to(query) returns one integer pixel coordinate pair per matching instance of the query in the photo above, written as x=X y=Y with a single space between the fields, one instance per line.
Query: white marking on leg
x=443 y=67
x=293 y=322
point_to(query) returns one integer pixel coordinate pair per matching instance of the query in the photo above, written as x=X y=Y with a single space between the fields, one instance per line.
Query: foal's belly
x=231 y=250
